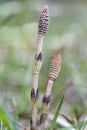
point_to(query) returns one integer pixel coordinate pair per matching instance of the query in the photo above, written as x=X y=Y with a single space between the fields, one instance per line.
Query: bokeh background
x=18 y=40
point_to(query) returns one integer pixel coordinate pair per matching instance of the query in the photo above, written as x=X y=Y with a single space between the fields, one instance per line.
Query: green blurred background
x=18 y=40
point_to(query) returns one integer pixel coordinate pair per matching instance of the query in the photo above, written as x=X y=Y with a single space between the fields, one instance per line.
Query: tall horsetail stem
x=42 y=30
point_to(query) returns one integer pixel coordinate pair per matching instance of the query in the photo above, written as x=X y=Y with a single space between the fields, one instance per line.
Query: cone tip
x=58 y=56
x=45 y=7
x=58 y=53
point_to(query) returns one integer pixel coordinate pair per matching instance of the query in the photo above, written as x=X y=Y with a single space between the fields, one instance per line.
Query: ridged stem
x=42 y=30
x=53 y=74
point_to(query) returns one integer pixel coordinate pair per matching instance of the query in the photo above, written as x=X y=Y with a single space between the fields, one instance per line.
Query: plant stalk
x=53 y=74
x=42 y=30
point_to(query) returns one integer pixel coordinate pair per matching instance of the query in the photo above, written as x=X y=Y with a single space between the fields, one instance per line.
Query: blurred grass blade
x=6 y=128
x=7 y=119
x=83 y=124
x=57 y=113
x=1 y=124
x=64 y=128
x=67 y=119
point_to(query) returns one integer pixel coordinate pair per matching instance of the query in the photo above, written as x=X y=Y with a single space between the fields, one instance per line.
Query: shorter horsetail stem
x=53 y=74
x=42 y=30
